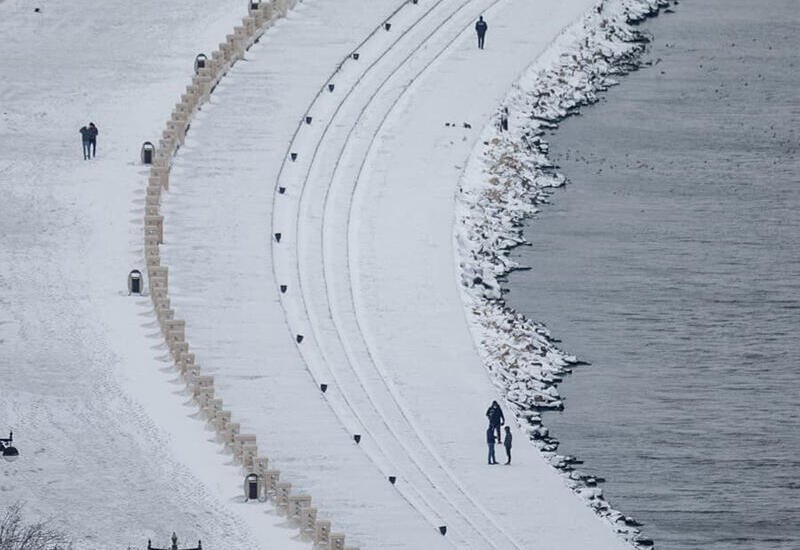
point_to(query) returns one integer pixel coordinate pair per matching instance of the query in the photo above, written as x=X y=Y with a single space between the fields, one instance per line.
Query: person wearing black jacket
x=507 y=444
x=93 y=131
x=480 y=28
x=85 y=140
x=496 y=419
x=490 y=441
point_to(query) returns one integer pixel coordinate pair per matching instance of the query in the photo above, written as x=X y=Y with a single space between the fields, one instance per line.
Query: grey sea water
x=671 y=262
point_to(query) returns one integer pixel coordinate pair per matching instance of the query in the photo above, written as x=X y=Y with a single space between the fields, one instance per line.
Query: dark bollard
x=278 y=237
x=414 y=1
x=442 y=528
x=308 y=120
x=387 y=26
x=392 y=479
x=323 y=388
x=330 y=87
x=355 y=56
x=283 y=289
x=294 y=157
x=357 y=438
x=281 y=190
x=299 y=338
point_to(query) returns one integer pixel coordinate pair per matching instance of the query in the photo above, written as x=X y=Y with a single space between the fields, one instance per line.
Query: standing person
x=480 y=28
x=93 y=131
x=490 y=441
x=507 y=444
x=496 y=419
x=85 y=140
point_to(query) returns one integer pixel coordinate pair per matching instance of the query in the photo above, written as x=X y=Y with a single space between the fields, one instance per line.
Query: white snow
x=370 y=277
x=107 y=447
x=111 y=446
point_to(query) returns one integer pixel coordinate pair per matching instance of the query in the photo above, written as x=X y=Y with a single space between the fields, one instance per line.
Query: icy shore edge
x=507 y=177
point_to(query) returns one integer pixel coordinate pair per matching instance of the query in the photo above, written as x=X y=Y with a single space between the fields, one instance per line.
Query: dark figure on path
x=495 y=415
x=480 y=28
x=93 y=131
x=507 y=443
x=85 y=140
x=490 y=441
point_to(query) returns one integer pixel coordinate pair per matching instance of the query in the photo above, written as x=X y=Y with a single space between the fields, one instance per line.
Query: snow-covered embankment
x=505 y=180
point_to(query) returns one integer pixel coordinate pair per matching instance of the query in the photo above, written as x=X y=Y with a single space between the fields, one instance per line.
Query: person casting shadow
x=490 y=441
x=507 y=444
x=496 y=419
x=480 y=28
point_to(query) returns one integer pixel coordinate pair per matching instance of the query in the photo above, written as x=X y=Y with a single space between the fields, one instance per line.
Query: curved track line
x=412 y=500
x=401 y=407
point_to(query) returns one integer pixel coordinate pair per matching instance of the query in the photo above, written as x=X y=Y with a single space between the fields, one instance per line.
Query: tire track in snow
x=386 y=387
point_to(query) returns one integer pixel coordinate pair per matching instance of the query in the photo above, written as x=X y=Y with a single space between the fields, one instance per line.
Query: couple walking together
x=496 y=420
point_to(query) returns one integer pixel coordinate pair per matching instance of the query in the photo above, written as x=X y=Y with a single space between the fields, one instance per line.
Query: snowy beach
x=309 y=235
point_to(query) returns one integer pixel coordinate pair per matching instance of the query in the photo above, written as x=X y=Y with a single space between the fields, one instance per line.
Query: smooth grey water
x=672 y=263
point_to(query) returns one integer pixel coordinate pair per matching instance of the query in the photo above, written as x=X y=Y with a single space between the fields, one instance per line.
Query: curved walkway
x=364 y=212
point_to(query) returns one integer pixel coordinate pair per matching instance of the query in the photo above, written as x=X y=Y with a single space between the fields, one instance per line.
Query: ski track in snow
x=399 y=428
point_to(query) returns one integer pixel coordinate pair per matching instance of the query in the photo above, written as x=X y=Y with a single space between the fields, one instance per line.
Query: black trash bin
x=251 y=487
x=148 y=152
x=200 y=62
x=135 y=282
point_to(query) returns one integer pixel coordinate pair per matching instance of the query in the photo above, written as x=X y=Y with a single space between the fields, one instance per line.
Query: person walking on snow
x=495 y=415
x=480 y=28
x=85 y=140
x=507 y=444
x=490 y=441
x=93 y=131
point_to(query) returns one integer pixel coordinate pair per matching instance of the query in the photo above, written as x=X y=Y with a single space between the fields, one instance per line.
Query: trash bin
x=148 y=152
x=251 y=487
x=135 y=282
x=200 y=62
x=254 y=4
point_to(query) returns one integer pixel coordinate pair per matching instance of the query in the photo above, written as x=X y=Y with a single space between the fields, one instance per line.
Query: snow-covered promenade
x=107 y=447
x=302 y=252
x=366 y=219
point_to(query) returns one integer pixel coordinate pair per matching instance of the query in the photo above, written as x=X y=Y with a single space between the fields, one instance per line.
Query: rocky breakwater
x=508 y=178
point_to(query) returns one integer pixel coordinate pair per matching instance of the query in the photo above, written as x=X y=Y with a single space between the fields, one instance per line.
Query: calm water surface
x=672 y=263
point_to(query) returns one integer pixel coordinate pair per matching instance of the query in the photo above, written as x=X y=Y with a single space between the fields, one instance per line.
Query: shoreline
x=507 y=177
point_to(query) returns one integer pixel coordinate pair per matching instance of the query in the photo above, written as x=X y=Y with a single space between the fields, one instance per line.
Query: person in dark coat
x=480 y=28
x=507 y=444
x=490 y=441
x=496 y=419
x=93 y=131
x=85 y=139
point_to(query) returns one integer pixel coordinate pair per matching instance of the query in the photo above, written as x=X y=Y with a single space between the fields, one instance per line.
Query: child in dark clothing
x=507 y=443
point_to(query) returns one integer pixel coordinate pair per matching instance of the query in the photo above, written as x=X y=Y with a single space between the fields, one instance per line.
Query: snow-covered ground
x=366 y=215
x=108 y=449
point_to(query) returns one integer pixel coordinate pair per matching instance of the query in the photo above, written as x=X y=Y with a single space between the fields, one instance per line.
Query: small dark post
x=387 y=25
x=330 y=87
x=357 y=438
x=299 y=338
x=442 y=528
x=308 y=120
x=355 y=56
x=294 y=156
x=392 y=479
x=278 y=237
x=323 y=388
x=283 y=289
x=281 y=190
